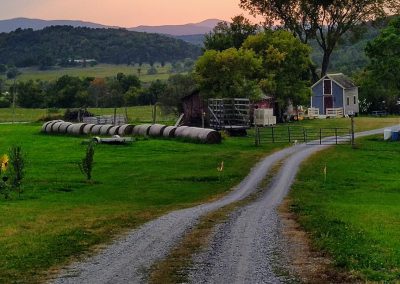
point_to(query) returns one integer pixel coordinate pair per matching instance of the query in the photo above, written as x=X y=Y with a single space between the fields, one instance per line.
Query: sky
x=124 y=13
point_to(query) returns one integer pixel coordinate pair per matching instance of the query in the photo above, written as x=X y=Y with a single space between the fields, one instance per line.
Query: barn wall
x=337 y=93
x=317 y=98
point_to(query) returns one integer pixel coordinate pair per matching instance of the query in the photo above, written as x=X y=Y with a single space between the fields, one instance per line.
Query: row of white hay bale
x=154 y=130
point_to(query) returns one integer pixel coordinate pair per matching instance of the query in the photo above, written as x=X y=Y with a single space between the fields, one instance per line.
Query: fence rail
x=311 y=136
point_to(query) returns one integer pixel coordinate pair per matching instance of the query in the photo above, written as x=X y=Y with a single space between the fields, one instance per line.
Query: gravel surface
x=128 y=259
x=248 y=247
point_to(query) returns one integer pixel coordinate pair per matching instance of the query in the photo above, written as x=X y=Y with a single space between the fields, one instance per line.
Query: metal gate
x=297 y=134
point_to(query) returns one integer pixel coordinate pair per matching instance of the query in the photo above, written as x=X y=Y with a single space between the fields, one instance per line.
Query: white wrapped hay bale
x=169 y=131
x=64 y=127
x=114 y=130
x=56 y=126
x=96 y=129
x=48 y=128
x=179 y=131
x=104 y=129
x=76 y=129
x=126 y=129
x=87 y=129
x=156 y=130
x=142 y=130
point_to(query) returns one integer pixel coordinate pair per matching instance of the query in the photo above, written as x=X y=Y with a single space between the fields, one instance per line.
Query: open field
x=135 y=114
x=100 y=71
x=354 y=214
x=60 y=215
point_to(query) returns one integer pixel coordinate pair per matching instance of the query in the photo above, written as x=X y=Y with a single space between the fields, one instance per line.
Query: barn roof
x=341 y=79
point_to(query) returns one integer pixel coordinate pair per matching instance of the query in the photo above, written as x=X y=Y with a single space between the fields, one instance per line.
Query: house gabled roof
x=340 y=79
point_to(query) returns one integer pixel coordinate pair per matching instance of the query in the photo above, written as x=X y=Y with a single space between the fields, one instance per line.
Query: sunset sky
x=124 y=13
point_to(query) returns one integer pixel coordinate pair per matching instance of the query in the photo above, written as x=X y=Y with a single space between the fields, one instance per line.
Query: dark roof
x=342 y=80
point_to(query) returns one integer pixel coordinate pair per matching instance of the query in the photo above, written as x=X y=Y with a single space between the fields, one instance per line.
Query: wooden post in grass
x=353 y=143
x=154 y=113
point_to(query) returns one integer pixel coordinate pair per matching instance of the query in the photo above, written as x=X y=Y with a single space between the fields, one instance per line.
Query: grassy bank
x=60 y=215
x=354 y=214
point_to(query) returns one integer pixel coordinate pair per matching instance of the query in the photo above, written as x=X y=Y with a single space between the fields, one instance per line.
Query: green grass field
x=354 y=215
x=60 y=215
x=100 y=71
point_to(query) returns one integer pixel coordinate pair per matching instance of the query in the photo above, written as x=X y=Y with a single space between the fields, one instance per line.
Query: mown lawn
x=59 y=215
x=355 y=214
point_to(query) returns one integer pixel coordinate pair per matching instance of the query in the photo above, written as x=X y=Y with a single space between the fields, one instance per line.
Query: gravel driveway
x=244 y=255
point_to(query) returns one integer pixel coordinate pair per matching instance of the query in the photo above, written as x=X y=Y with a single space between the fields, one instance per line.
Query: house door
x=328 y=102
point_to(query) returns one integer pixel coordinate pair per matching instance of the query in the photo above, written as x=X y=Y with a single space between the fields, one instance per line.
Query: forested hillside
x=59 y=44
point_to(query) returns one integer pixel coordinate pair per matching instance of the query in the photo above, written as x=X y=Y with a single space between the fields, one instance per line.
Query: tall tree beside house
x=226 y=35
x=325 y=21
x=380 y=82
x=285 y=62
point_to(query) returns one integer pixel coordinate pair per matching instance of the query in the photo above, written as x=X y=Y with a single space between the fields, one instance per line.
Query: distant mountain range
x=174 y=30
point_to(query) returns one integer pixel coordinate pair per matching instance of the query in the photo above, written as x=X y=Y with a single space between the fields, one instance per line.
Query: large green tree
x=226 y=35
x=178 y=86
x=380 y=83
x=230 y=73
x=324 y=20
x=285 y=62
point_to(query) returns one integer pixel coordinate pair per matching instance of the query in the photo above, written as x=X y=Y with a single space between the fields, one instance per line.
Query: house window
x=327 y=87
x=348 y=101
x=355 y=100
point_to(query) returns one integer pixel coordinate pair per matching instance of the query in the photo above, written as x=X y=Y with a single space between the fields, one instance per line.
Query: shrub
x=17 y=167
x=86 y=165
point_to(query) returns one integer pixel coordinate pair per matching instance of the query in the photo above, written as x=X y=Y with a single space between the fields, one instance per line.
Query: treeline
x=72 y=92
x=61 y=45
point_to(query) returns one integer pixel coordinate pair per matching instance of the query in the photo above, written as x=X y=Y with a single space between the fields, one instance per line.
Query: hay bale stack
x=169 y=131
x=64 y=127
x=156 y=130
x=88 y=129
x=104 y=129
x=142 y=130
x=126 y=129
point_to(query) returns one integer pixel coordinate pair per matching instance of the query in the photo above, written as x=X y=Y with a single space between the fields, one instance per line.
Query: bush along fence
x=202 y=135
x=310 y=136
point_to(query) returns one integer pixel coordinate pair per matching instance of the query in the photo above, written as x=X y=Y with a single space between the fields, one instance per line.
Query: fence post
x=257 y=135
x=336 y=136
x=305 y=135
x=320 y=136
x=273 y=134
x=290 y=140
